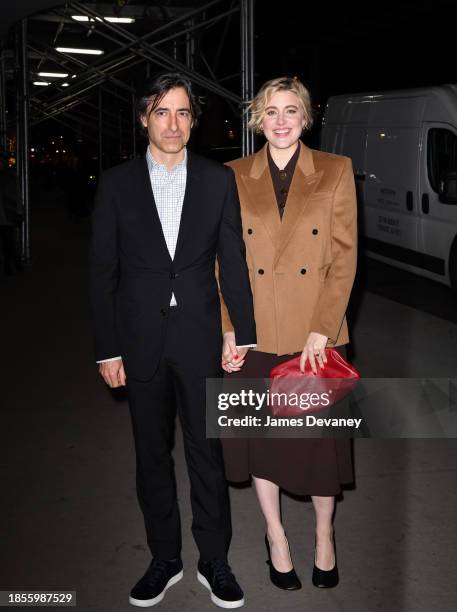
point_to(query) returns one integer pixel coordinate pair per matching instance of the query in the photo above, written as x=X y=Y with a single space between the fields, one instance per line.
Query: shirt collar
x=289 y=167
x=153 y=163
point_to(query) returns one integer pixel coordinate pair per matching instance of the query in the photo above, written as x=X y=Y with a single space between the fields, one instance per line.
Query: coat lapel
x=147 y=202
x=262 y=199
x=187 y=214
x=304 y=182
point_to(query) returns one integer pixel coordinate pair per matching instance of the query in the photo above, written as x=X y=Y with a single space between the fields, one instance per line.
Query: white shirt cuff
x=110 y=359
x=246 y=345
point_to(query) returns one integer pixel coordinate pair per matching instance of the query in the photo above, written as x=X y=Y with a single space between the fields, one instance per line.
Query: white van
x=403 y=146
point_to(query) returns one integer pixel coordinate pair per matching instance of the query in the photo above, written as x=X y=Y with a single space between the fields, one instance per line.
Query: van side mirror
x=448 y=188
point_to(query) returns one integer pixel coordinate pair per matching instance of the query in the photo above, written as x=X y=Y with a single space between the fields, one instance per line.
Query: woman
x=299 y=220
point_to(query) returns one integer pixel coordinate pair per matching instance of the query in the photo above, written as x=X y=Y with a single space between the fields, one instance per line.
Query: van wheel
x=453 y=266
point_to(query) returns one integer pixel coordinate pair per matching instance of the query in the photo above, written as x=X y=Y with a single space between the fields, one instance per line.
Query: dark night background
x=357 y=46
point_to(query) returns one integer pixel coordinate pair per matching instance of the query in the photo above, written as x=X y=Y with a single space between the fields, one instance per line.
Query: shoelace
x=158 y=567
x=222 y=573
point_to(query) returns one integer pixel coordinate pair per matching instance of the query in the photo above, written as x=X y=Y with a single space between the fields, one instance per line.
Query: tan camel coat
x=301 y=268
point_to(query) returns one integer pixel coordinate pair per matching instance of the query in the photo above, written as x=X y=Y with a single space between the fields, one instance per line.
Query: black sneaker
x=159 y=576
x=218 y=579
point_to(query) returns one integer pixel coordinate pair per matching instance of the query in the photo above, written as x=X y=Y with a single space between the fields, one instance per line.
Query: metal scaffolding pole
x=22 y=135
x=149 y=52
x=100 y=131
x=133 y=126
x=3 y=128
x=190 y=46
x=247 y=72
x=120 y=133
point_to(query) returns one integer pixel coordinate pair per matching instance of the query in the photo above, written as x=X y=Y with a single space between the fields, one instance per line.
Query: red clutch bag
x=294 y=393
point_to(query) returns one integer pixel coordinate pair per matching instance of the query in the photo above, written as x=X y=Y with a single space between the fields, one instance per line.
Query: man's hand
x=314 y=351
x=113 y=373
x=232 y=357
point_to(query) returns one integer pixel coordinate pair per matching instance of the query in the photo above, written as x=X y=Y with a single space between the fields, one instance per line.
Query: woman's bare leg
x=268 y=496
x=325 y=554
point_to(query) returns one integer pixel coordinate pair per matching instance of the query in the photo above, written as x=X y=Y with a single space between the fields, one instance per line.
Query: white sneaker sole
x=222 y=603
x=146 y=603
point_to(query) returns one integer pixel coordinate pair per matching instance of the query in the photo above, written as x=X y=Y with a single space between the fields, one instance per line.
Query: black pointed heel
x=325 y=579
x=289 y=581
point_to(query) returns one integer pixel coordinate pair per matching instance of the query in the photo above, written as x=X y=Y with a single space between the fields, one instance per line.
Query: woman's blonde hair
x=258 y=104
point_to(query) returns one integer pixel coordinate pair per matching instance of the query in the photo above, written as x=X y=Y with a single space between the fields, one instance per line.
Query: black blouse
x=282 y=178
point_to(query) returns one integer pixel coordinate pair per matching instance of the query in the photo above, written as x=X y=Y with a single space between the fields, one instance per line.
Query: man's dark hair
x=157 y=87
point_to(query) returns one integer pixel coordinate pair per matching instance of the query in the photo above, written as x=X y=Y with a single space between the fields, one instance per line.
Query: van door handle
x=425 y=204
x=409 y=200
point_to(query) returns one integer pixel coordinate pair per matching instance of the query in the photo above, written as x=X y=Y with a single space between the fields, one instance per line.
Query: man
x=158 y=225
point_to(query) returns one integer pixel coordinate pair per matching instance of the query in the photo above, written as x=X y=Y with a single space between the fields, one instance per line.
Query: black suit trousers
x=178 y=386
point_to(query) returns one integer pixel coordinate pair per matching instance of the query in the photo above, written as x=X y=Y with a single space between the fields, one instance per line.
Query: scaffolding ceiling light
x=81 y=51
x=41 y=83
x=57 y=75
x=110 y=19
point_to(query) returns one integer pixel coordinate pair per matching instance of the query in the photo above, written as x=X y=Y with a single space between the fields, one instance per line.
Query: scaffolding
x=130 y=49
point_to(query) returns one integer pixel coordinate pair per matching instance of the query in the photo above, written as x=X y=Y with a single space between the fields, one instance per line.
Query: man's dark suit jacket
x=133 y=275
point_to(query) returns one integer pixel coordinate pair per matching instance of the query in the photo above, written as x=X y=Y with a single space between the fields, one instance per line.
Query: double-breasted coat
x=301 y=268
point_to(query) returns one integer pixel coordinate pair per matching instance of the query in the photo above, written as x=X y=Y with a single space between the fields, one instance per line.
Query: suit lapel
x=190 y=197
x=147 y=202
x=262 y=199
x=304 y=183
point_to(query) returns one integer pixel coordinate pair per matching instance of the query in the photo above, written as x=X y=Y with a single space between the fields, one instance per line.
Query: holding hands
x=233 y=357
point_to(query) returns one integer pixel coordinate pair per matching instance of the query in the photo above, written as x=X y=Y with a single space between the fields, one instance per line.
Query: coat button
x=163 y=312
x=249 y=231
x=315 y=231
x=303 y=271
x=173 y=275
x=261 y=271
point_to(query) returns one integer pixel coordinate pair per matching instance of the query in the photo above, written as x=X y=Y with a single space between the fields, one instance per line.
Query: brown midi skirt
x=302 y=466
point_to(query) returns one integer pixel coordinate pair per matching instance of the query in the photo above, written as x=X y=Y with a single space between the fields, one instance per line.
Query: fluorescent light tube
x=41 y=83
x=59 y=75
x=120 y=19
x=110 y=19
x=82 y=51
